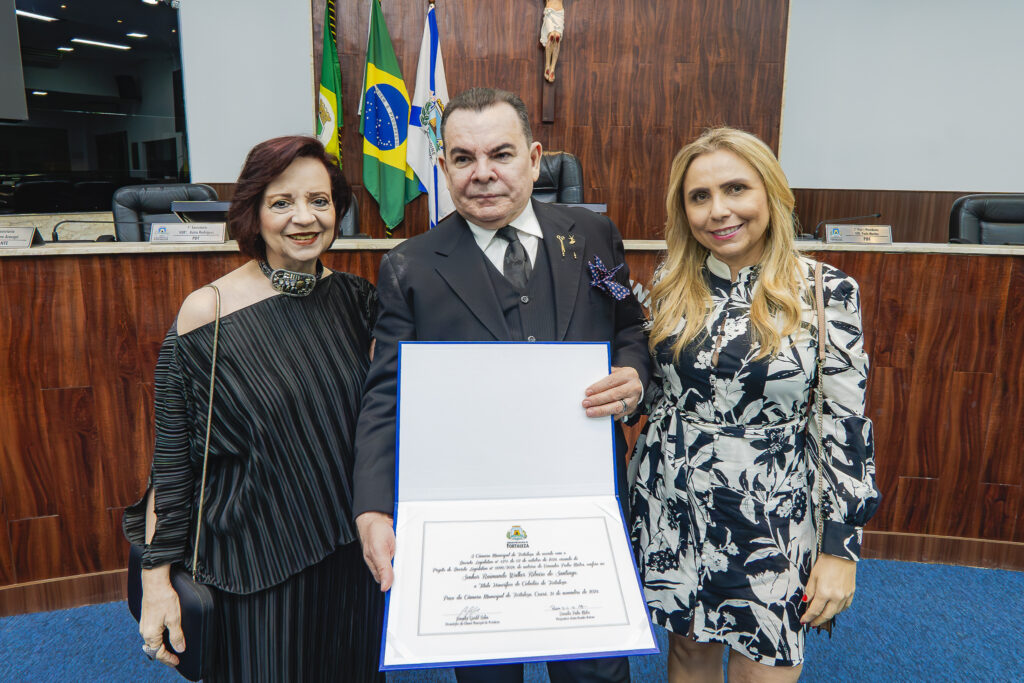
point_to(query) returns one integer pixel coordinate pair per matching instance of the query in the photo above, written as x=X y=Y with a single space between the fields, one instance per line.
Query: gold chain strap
x=209 y=424
x=822 y=332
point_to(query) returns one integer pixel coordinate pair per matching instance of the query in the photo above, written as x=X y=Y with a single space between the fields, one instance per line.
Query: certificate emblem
x=517 y=537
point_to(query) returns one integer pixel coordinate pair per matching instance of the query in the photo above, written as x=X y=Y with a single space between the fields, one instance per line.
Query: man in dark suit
x=501 y=268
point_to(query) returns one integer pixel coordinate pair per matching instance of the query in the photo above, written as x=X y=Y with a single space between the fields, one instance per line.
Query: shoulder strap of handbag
x=209 y=424
x=819 y=303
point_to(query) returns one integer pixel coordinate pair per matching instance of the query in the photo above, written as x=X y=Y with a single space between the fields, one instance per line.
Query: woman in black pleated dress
x=295 y=601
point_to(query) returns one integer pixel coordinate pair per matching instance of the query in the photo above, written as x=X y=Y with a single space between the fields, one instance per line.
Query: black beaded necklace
x=290 y=282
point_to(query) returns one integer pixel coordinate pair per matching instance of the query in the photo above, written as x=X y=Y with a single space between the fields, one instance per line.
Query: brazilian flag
x=385 y=126
x=328 y=110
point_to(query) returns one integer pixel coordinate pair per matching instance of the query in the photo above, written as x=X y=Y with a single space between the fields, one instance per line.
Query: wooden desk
x=83 y=324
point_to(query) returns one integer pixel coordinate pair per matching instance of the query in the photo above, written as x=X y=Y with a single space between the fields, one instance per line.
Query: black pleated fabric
x=323 y=624
x=278 y=492
x=278 y=540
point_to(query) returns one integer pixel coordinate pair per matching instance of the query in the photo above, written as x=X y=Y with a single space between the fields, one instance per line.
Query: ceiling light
x=65 y=48
x=39 y=92
x=30 y=15
x=97 y=43
x=133 y=34
x=151 y=2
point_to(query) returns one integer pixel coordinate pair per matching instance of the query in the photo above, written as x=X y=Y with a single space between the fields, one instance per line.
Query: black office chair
x=137 y=207
x=560 y=179
x=93 y=195
x=987 y=219
x=42 y=196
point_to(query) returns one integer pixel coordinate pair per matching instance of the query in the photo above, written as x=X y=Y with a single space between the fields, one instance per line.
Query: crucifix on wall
x=552 y=28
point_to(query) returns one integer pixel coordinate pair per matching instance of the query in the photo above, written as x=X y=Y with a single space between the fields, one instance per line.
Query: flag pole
x=362 y=90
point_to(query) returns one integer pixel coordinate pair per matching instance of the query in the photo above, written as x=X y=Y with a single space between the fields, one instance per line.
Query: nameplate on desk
x=842 y=233
x=19 y=238
x=212 y=233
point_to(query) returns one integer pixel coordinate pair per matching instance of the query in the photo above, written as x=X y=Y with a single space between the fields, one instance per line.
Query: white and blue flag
x=428 y=103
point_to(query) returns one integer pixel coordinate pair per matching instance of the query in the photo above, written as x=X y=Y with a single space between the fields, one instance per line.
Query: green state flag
x=384 y=125
x=328 y=110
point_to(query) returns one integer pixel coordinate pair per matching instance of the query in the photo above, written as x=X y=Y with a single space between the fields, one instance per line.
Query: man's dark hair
x=478 y=99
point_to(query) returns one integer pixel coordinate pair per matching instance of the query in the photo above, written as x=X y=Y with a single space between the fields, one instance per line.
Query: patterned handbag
x=819 y=514
x=195 y=599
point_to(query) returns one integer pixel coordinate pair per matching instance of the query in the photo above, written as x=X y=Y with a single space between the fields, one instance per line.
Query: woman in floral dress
x=724 y=496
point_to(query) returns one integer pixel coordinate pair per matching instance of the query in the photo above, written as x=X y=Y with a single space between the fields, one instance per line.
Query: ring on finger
x=149 y=650
x=625 y=407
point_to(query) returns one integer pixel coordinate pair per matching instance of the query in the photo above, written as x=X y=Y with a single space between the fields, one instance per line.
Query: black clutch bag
x=195 y=600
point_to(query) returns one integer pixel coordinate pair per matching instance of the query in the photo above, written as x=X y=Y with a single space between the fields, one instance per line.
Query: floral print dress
x=722 y=516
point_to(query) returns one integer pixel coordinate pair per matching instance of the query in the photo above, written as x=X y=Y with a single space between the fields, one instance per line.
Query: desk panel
x=945 y=332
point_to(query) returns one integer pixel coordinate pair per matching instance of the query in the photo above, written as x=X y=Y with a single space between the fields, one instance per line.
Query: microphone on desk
x=842 y=220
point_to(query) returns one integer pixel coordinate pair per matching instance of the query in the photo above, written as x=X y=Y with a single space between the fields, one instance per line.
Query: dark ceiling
x=103 y=20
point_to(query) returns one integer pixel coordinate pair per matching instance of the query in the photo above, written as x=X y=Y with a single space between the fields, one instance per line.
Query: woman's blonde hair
x=680 y=292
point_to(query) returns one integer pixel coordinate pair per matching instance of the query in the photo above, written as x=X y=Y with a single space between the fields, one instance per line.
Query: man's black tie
x=517 y=266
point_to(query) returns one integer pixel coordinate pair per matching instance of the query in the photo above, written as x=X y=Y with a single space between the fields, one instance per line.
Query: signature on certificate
x=572 y=612
x=471 y=614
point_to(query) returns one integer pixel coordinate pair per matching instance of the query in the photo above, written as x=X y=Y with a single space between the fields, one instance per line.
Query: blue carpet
x=910 y=622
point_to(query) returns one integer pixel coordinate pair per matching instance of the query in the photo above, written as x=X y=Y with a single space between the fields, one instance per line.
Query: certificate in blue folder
x=510 y=542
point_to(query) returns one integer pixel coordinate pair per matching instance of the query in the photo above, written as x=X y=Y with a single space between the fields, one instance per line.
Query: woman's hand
x=160 y=611
x=377 y=536
x=830 y=588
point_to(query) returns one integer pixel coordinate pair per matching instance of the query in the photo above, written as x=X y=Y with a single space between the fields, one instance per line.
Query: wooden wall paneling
x=980 y=315
x=73 y=591
x=118 y=371
x=997 y=512
x=41 y=548
x=758 y=22
x=936 y=456
x=896 y=299
x=24 y=460
x=59 y=308
x=642 y=265
x=685 y=28
x=914 y=216
x=225 y=191
x=115 y=550
x=133 y=465
x=611 y=72
x=6 y=549
x=365 y=264
x=943 y=549
x=63 y=489
x=731 y=94
x=895 y=296
x=932 y=370
x=915 y=500
x=886 y=405
x=1004 y=449
x=958 y=508
x=76 y=477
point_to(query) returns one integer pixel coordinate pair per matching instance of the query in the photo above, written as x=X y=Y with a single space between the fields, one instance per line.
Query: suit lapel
x=566 y=269
x=463 y=267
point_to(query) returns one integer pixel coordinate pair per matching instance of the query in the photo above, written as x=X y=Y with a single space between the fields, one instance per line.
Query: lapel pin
x=561 y=242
